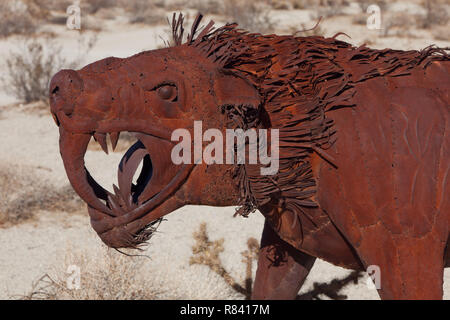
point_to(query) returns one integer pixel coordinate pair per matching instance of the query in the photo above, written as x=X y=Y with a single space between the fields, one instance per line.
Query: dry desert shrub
x=360 y=19
x=331 y=9
x=307 y=4
x=207 y=6
x=250 y=15
x=145 y=12
x=24 y=16
x=105 y=275
x=87 y=6
x=90 y=10
x=15 y=18
x=441 y=33
x=364 y=4
x=93 y=6
x=396 y=24
x=207 y=252
x=22 y=194
x=60 y=19
x=31 y=65
x=280 y=4
x=436 y=14
x=304 y=4
x=54 y=5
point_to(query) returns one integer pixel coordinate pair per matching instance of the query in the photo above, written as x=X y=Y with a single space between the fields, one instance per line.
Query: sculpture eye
x=168 y=92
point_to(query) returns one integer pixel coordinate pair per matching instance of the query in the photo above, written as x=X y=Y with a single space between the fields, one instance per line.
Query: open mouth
x=125 y=212
x=129 y=191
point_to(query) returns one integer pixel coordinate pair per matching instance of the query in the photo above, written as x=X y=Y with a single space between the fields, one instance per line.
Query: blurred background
x=101 y=28
x=44 y=227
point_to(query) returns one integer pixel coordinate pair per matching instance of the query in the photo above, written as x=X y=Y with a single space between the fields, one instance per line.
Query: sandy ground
x=29 y=143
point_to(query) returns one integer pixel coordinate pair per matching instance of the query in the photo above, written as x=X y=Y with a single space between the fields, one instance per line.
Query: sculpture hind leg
x=409 y=268
x=282 y=269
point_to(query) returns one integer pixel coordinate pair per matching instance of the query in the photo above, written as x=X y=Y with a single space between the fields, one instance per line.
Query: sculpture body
x=364 y=149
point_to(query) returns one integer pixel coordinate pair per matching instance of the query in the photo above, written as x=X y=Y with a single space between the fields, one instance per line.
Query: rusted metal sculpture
x=364 y=149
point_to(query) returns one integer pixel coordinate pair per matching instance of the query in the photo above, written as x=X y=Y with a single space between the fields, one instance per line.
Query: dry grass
x=55 y=5
x=396 y=24
x=87 y=6
x=106 y=275
x=15 y=18
x=436 y=14
x=142 y=11
x=250 y=15
x=23 y=194
x=31 y=65
x=30 y=68
x=441 y=33
x=302 y=4
x=331 y=9
x=93 y=6
x=364 y=4
x=327 y=8
x=207 y=252
x=404 y=23
x=207 y=6
x=360 y=19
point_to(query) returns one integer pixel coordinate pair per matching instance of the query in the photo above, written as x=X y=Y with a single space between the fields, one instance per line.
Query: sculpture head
x=149 y=95
x=227 y=78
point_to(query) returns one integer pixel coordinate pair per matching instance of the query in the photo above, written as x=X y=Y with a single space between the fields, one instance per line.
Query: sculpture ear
x=233 y=90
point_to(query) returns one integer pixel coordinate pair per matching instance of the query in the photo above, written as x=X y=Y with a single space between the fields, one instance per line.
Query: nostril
x=66 y=83
x=64 y=89
x=55 y=90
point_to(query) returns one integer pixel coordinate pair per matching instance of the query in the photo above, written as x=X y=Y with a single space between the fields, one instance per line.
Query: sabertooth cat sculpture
x=364 y=149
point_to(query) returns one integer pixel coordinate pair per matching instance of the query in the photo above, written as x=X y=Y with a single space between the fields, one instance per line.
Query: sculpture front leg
x=282 y=269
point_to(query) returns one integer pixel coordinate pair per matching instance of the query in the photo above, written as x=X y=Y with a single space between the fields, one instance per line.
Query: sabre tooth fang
x=114 y=136
x=101 y=139
x=116 y=190
x=130 y=200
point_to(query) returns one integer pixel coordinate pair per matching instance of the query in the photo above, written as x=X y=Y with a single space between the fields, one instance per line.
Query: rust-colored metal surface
x=364 y=149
